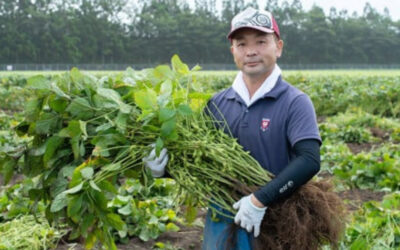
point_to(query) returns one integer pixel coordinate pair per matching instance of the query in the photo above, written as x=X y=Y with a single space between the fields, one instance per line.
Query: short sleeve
x=302 y=120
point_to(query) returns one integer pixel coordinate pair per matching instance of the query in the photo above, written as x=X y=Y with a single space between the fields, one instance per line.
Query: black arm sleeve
x=297 y=172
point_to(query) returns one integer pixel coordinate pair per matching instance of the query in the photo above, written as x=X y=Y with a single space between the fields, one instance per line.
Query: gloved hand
x=156 y=164
x=249 y=215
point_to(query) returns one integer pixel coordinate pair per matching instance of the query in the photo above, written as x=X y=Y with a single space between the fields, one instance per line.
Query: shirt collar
x=240 y=87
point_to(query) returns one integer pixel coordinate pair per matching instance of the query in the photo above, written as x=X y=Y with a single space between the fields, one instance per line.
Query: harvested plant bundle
x=208 y=163
x=213 y=167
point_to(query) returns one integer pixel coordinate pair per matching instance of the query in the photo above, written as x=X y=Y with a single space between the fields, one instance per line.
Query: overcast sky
x=356 y=5
x=349 y=5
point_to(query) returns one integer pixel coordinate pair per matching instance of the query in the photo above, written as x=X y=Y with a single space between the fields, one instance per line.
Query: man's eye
x=240 y=44
x=262 y=42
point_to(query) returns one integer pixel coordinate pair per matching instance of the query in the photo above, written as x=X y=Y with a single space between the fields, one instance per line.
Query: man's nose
x=251 y=51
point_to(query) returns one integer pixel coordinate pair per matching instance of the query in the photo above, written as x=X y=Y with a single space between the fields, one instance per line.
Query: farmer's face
x=255 y=52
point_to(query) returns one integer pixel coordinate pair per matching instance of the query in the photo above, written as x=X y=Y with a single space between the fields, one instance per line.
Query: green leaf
x=113 y=96
x=123 y=233
x=359 y=244
x=153 y=220
x=22 y=128
x=36 y=193
x=190 y=213
x=67 y=171
x=166 y=114
x=59 y=185
x=74 y=205
x=201 y=96
x=75 y=147
x=38 y=82
x=146 y=116
x=75 y=189
x=59 y=202
x=75 y=234
x=146 y=99
x=88 y=221
x=133 y=186
x=115 y=221
x=179 y=66
x=166 y=88
x=184 y=109
x=99 y=199
x=107 y=186
x=171 y=214
x=33 y=165
x=159 y=245
x=82 y=126
x=165 y=93
x=196 y=68
x=77 y=77
x=87 y=173
x=90 y=240
x=94 y=186
x=7 y=169
x=47 y=123
x=104 y=104
x=171 y=227
x=52 y=144
x=159 y=146
x=121 y=121
x=57 y=104
x=32 y=109
x=109 y=94
x=179 y=96
x=58 y=91
x=144 y=234
x=126 y=210
x=163 y=72
x=80 y=108
x=38 y=150
x=168 y=127
x=104 y=127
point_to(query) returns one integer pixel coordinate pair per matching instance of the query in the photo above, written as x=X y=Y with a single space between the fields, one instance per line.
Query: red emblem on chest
x=265 y=124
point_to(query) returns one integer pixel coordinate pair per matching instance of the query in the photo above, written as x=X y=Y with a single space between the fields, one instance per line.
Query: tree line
x=151 y=31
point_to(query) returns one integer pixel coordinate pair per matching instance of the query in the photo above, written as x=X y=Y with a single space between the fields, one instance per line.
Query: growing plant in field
x=375 y=226
x=377 y=170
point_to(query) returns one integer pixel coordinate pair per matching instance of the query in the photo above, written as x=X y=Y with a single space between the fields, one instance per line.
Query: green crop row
x=331 y=94
x=375 y=226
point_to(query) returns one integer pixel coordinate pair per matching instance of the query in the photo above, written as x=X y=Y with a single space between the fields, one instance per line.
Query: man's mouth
x=251 y=63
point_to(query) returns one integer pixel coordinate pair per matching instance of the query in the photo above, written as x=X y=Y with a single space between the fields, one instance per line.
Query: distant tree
x=151 y=31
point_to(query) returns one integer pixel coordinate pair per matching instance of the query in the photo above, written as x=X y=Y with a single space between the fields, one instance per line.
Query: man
x=270 y=118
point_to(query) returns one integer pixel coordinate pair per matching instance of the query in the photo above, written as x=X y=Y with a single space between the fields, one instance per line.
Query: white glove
x=156 y=164
x=249 y=215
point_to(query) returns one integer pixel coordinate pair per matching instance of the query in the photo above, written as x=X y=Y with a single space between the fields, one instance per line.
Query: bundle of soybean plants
x=211 y=167
x=77 y=125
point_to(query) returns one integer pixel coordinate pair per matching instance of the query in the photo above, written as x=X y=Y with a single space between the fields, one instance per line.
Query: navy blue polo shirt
x=269 y=127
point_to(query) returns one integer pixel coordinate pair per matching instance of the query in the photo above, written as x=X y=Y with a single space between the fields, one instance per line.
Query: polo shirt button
x=247 y=111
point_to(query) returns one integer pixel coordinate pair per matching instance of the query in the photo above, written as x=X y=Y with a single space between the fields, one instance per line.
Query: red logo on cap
x=265 y=124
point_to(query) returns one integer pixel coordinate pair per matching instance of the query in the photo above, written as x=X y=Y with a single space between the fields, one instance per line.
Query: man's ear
x=279 y=45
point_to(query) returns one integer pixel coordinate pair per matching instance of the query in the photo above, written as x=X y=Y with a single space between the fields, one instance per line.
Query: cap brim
x=250 y=27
